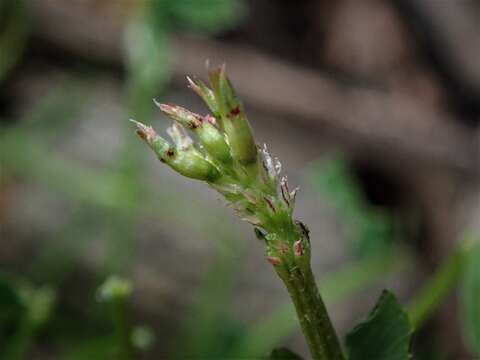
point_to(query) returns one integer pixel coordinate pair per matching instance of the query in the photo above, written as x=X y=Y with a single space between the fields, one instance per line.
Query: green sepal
x=214 y=142
x=192 y=164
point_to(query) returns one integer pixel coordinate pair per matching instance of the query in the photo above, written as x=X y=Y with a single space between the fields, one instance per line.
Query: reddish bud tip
x=146 y=133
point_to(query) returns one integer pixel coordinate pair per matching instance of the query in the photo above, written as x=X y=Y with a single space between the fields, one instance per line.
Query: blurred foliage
x=149 y=54
x=430 y=297
x=125 y=342
x=25 y=309
x=371 y=228
x=210 y=16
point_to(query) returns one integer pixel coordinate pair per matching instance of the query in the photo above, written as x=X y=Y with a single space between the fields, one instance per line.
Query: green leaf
x=385 y=335
x=470 y=296
x=283 y=354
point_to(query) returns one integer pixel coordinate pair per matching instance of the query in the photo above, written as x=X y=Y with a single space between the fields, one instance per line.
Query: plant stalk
x=314 y=320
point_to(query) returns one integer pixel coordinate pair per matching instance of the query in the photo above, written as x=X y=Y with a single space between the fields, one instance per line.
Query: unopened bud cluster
x=228 y=159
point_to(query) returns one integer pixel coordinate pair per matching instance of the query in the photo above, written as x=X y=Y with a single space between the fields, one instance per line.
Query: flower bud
x=214 y=142
x=192 y=164
x=205 y=93
x=183 y=116
x=184 y=159
x=211 y=138
x=233 y=120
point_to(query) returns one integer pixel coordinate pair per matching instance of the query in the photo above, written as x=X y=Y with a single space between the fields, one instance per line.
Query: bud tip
x=156 y=102
x=145 y=132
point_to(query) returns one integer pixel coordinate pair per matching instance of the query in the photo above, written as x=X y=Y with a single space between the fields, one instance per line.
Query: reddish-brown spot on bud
x=275 y=261
x=234 y=112
x=170 y=152
x=141 y=134
x=298 y=249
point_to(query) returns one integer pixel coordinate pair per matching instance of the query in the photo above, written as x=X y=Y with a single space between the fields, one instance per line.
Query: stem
x=122 y=330
x=316 y=325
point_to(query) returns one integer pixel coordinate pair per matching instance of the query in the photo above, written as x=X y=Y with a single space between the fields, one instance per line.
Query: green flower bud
x=233 y=120
x=192 y=164
x=211 y=138
x=159 y=145
x=183 y=158
x=214 y=142
x=183 y=116
x=205 y=93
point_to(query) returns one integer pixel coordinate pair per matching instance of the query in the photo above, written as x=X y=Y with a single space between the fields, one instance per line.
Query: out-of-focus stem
x=426 y=302
x=122 y=329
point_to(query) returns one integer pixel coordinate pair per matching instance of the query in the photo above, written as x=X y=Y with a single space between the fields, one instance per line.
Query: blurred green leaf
x=283 y=354
x=433 y=293
x=11 y=310
x=38 y=304
x=470 y=298
x=14 y=31
x=149 y=63
x=96 y=348
x=205 y=15
x=10 y=303
x=53 y=112
x=384 y=335
x=210 y=331
x=371 y=228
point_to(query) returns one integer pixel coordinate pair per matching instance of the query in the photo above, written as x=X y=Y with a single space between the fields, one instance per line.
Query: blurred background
x=372 y=106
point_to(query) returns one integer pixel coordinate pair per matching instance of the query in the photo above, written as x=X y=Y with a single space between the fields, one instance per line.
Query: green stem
x=122 y=330
x=316 y=325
